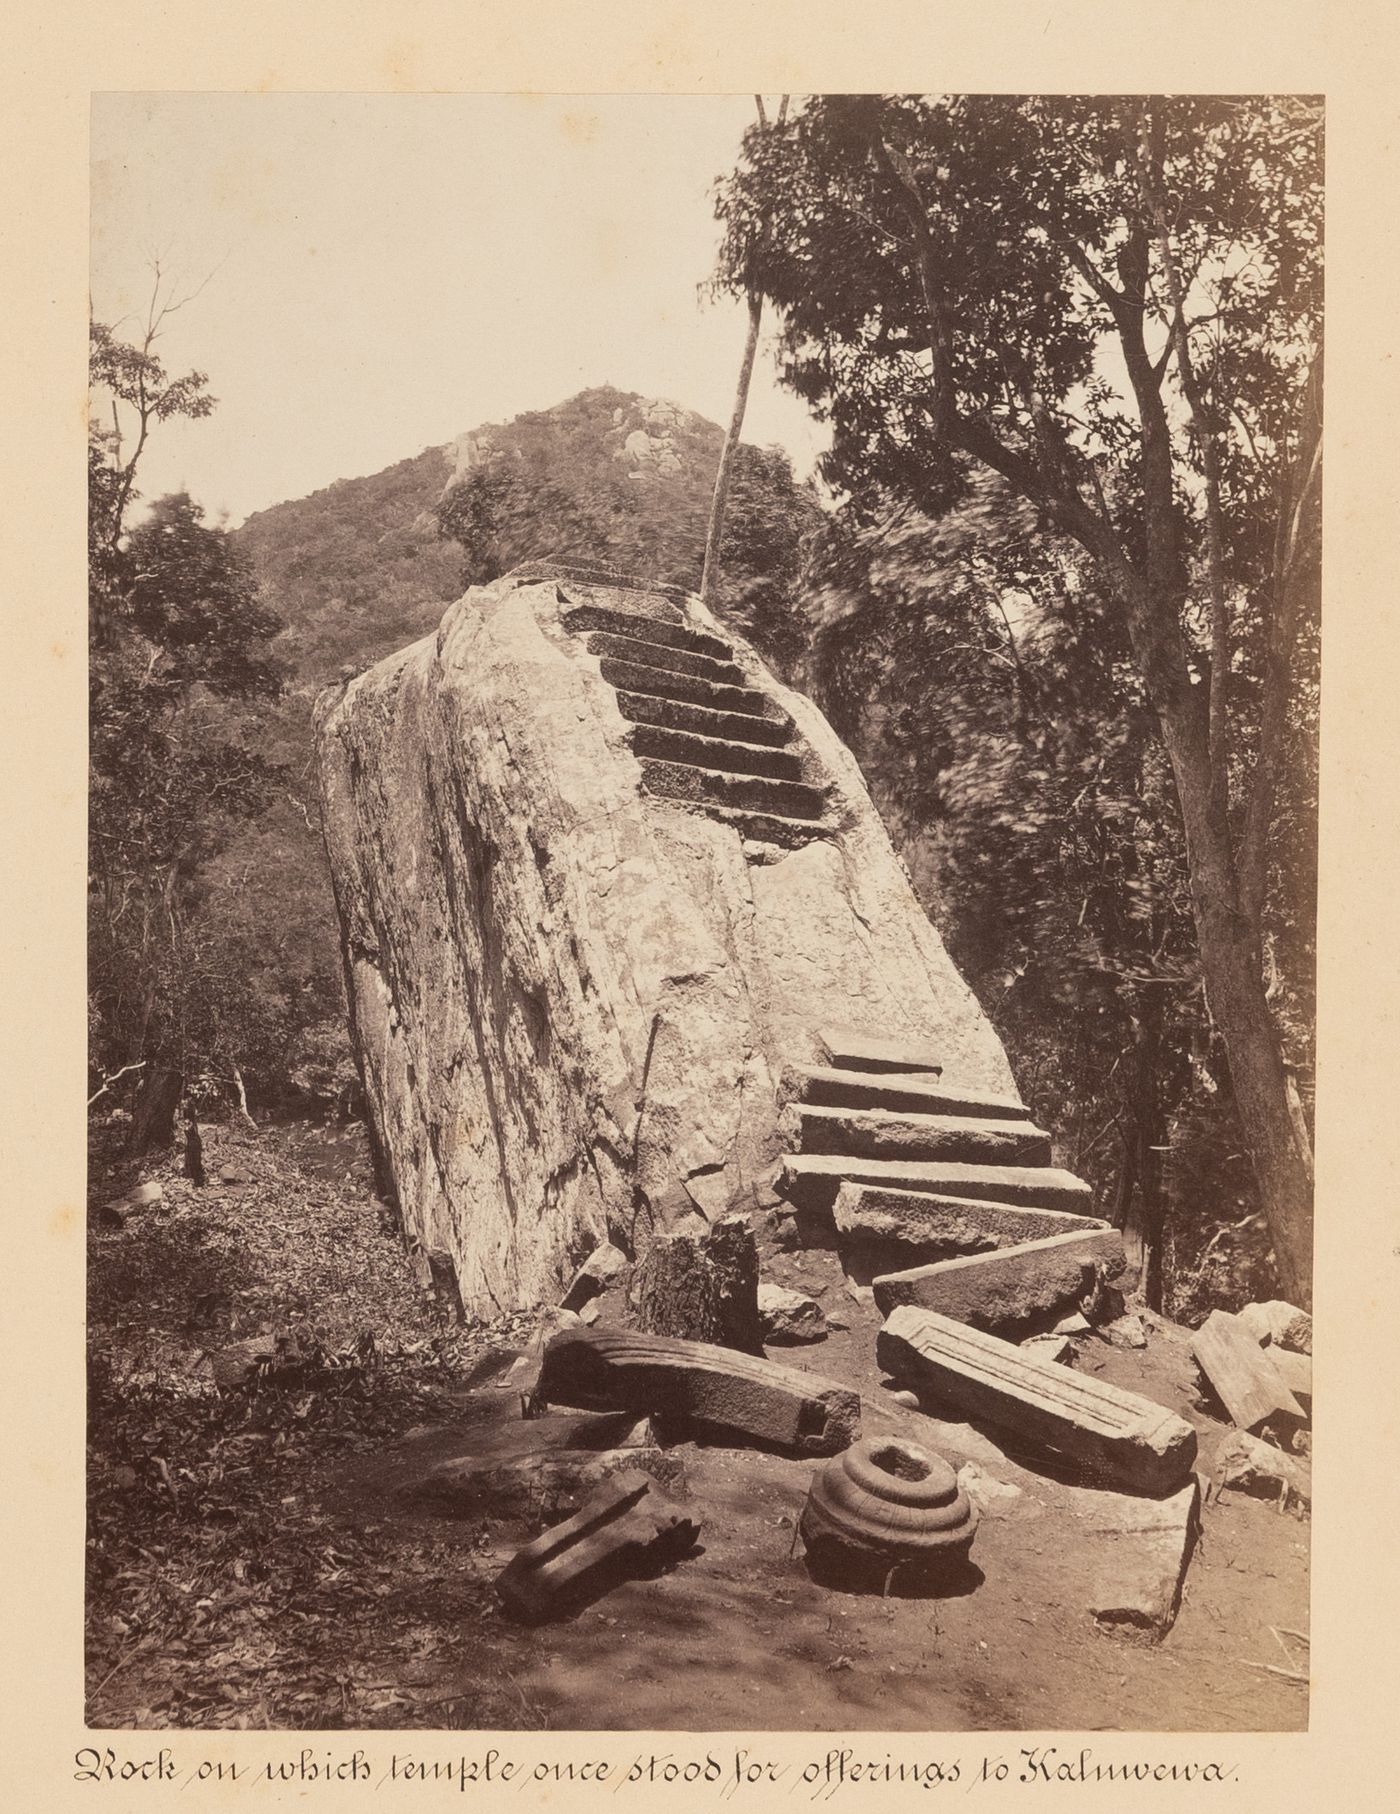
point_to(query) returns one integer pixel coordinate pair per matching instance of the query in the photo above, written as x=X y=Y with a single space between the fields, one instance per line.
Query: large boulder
x=600 y=879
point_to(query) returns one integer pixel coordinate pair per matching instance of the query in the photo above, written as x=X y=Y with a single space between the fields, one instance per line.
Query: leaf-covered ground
x=221 y=1592
x=257 y=1557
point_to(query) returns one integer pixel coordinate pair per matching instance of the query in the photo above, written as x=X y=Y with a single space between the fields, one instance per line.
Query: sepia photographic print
x=702 y=826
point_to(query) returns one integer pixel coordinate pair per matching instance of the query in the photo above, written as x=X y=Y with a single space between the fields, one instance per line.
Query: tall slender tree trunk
x=709 y=577
x=1230 y=943
x=714 y=536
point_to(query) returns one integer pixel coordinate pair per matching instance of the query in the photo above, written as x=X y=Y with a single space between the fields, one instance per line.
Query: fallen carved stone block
x=708 y=1389
x=1012 y=1287
x=548 y=1482
x=1242 y=1375
x=628 y=1527
x=1112 y=1434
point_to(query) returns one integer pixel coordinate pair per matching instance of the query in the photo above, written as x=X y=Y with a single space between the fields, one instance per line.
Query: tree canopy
x=1115 y=305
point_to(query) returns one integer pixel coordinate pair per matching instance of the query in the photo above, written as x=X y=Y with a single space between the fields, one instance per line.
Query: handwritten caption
x=842 y=1770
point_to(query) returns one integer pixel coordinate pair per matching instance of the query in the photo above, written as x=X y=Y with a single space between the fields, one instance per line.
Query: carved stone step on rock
x=959 y=1224
x=743 y=701
x=849 y=1049
x=704 y=721
x=881 y=1134
x=1112 y=1434
x=722 y=671
x=812 y=1179
x=628 y=1527
x=762 y=828
x=645 y=629
x=716 y=787
x=702 y=1388
x=715 y=752
x=1012 y=1288
x=905 y=1093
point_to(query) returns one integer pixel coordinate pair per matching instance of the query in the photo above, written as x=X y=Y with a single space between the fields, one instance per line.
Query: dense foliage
x=180 y=663
x=1113 y=304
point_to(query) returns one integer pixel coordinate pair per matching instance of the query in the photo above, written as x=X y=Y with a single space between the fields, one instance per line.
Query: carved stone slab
x=1112 y=1434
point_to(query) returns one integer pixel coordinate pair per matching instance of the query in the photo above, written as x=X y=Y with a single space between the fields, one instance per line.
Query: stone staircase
x=706 y=738
x=894 y=1160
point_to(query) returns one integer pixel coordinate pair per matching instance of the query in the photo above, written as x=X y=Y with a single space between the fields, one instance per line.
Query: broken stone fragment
x=605 y=1267
x=1253 y=1466
x=789 y=1318
x=628 y=1527
x=991 y=1496
x=1136 y=1552
x=701 y=1388
x=1123 y=1331
x=1110 y=1434
x=1241 y=1373
x=1295 y=1370
x=114 y=1213
x=436 y=1273
x=1012 y=1287
x=1279 y=1324
x=523 y=1376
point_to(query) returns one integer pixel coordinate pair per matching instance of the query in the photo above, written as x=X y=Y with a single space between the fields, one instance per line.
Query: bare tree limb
x=107 y=1082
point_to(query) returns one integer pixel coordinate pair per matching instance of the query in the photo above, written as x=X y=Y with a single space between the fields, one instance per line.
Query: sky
x=377 y=274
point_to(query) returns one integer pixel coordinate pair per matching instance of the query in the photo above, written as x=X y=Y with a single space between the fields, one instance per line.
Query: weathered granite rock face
x=599 y=879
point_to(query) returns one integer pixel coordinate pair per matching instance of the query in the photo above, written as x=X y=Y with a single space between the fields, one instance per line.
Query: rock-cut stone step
x=851 y=1050
x=718 y=787
x=881 y=1134
x=658 y=655
x=909 y=1093
x=762 y=828
x=926 y=1220
x=702 y=721
x=814 y=1178
x=715 y=752
x=646 y=629
x=747 y=703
